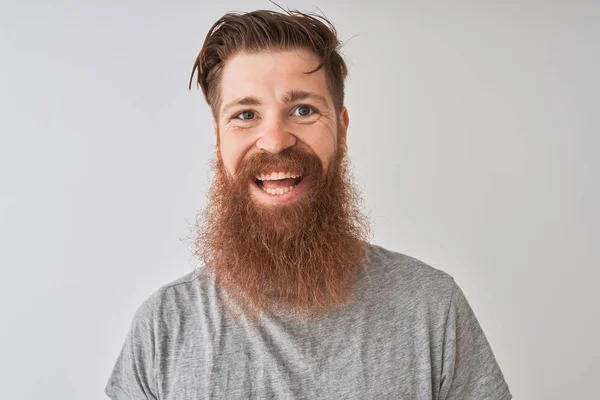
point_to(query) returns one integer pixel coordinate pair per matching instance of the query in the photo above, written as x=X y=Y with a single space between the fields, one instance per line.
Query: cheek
x=326 y=159
x=233 y=148
x=226 y=157
x=323 y=144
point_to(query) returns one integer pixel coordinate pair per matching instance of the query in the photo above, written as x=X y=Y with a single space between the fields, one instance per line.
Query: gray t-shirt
x=408 y=333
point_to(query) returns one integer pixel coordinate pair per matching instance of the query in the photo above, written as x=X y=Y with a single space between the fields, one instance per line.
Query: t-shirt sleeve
x=469 y=369
x=134 y=374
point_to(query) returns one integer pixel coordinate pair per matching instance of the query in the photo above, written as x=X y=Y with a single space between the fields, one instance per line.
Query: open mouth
x=278 y=183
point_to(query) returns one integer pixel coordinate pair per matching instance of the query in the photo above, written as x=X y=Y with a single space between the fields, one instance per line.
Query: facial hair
x=301 y=256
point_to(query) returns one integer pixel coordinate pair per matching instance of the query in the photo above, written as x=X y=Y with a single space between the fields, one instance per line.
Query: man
x=291 y=301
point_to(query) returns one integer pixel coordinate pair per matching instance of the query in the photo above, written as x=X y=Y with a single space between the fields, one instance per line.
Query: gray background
x=473 y=133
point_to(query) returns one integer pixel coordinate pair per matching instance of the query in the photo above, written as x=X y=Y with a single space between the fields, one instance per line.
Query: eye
x=304 y=111
x=245 y=115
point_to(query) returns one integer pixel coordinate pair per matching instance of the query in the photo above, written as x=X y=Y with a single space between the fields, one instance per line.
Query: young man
x=291 y=300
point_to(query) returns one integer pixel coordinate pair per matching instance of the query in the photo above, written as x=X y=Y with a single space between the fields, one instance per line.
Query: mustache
x=289 y=160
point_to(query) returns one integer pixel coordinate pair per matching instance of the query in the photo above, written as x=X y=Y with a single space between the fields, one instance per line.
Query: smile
x=278 y=183
x=277 y=187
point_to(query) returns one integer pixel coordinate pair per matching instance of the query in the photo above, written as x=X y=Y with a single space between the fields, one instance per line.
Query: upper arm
x=134 y=373
x=469 y=369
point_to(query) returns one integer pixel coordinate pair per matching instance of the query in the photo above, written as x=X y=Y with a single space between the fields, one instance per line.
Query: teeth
x=278 y=191
x=277 y=175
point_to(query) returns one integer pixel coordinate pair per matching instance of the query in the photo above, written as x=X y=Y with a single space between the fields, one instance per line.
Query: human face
x=274 y=117
x=269 y=104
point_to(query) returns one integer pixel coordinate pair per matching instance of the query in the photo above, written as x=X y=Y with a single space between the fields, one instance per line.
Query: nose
x=275 y=138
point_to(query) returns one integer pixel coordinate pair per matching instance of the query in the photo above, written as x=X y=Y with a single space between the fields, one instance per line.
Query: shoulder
x=135 y=374
x=186 y=283
x=409 y=276
x=182 y=292
x=176 y=293
x=410 y=269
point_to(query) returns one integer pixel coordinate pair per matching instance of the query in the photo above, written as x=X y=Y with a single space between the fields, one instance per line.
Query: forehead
x=269 y=75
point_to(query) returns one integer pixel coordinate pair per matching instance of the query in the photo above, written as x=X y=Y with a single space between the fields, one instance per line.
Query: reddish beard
x=301 y=256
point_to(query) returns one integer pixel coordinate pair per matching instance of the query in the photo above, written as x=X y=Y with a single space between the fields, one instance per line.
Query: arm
x=134 y=374
x=469 y=369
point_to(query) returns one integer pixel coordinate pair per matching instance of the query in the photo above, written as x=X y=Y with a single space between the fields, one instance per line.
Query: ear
x=344 y=122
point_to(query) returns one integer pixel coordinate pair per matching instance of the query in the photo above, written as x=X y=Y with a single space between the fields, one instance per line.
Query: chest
x=382 y=359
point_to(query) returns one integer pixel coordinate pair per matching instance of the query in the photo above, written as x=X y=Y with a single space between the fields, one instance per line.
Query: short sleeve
x=134 y=375
x=469 y=369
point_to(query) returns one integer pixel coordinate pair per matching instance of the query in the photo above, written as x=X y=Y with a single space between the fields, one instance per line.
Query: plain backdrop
x=473 y=137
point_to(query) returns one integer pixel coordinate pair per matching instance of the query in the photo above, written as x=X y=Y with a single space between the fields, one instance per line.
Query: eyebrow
x=289 y=97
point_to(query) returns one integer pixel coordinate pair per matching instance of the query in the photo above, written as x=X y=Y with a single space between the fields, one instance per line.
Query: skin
x=297 y=251
x=269 y=103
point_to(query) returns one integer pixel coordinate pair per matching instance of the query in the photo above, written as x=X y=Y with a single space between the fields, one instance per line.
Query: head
x=283 y=226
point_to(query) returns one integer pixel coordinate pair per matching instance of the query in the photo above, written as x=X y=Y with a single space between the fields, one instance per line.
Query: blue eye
x=303 y=111
x=245 y=115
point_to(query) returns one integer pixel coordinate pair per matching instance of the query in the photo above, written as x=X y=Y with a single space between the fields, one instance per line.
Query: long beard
x=302 y=256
